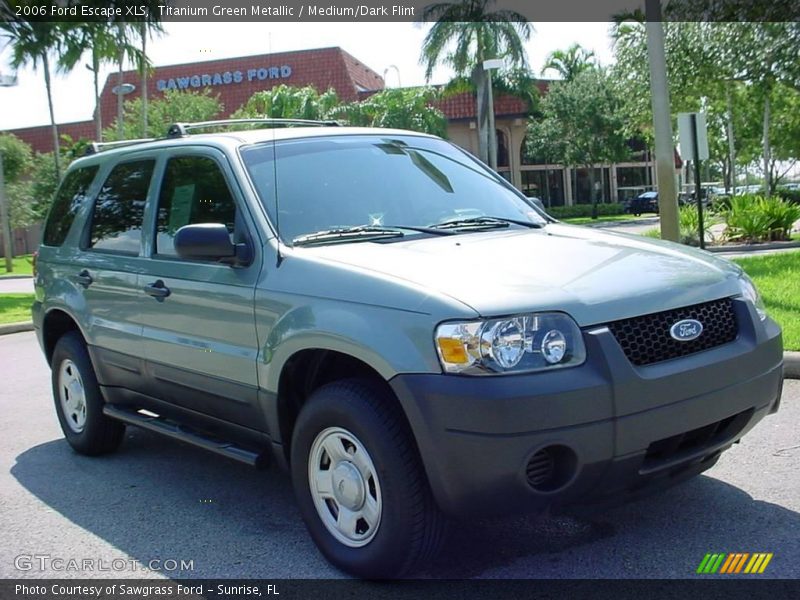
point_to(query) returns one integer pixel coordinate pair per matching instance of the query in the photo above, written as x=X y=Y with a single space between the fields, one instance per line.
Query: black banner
x=282 y=589
x=387 y=10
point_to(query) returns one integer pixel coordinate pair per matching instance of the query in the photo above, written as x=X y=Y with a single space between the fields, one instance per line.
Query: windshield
x=340 y=182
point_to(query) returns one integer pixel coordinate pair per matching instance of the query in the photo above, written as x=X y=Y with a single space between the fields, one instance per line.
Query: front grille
x=646 y=339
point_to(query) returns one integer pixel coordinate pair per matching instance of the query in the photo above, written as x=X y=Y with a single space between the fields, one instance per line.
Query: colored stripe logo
x=734 y=563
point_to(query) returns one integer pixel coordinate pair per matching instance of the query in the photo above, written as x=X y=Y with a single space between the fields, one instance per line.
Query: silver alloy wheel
x=72 y=395
x=344 y=486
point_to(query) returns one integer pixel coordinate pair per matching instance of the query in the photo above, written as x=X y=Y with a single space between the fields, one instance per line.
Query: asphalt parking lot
x=160 y=500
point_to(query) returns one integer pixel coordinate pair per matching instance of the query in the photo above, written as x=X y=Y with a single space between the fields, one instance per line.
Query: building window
x=582 y=190
x=545 y=184
x=632 y=181
x=502 y=149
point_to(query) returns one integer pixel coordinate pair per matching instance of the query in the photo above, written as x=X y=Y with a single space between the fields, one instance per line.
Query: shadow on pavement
x=158 y=498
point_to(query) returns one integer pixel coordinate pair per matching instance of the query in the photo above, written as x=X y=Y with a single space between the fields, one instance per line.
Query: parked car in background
x=646 y=202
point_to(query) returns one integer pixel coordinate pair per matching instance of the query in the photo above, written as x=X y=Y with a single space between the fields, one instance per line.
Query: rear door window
x=68 y=200
x=119 y=208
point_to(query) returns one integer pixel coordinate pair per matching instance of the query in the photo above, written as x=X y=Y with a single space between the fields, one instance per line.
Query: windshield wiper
x=485 y=222
x=363 y=232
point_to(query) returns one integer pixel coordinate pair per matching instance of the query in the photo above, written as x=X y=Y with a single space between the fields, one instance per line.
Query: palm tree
x=31 y=43
x=477 y=35
x=98 y=39
x=147 y=27
x=571 y=62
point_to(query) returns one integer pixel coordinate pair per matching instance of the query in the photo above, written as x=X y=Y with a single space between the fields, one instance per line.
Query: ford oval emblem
x=686 y=330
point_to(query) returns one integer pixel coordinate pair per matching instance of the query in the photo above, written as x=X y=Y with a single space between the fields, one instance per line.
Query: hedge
x=585 y=210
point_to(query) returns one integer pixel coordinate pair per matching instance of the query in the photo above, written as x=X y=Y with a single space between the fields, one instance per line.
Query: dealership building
x=235 y=80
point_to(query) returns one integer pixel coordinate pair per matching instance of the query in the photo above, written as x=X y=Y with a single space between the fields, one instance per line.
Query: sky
x=380 y=46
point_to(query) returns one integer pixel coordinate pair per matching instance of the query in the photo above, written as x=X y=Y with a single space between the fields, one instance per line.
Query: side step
x=184 y=434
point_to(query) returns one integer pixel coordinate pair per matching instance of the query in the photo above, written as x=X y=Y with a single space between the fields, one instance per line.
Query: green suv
x=392 y=322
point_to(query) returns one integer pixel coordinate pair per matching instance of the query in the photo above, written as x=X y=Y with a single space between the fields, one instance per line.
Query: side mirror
x=209 y=241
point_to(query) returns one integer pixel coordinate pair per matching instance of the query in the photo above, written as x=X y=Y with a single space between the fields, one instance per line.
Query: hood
x=592 y=275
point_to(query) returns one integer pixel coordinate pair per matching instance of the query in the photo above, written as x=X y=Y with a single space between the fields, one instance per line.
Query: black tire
x=411 y=527
x=99 y=434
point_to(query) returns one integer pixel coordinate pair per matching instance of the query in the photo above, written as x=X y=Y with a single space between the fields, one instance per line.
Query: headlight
x=750 y=293
x=515 y=344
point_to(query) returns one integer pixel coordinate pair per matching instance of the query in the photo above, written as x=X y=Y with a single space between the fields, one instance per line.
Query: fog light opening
x=551 y=468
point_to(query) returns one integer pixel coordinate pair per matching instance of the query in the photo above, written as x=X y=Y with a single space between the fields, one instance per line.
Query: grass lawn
x=15 y=308
x=22 y=266
x=777 y=277
x=602 y=219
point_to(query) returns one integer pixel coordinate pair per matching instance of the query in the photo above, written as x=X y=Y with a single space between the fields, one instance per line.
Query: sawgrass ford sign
x=225 y=78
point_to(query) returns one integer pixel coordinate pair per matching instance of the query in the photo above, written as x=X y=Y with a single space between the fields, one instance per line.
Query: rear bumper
x=613 y=430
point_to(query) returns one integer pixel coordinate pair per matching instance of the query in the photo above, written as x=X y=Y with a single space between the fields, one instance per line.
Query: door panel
x=106 y=273
x=200 y=340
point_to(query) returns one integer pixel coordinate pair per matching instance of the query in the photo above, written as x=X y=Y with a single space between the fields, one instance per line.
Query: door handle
x=157 y=290
x=84 y=278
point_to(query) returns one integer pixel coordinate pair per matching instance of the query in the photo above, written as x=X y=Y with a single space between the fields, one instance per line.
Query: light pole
x=5 y=221
x=489 y=66
x=120 y=91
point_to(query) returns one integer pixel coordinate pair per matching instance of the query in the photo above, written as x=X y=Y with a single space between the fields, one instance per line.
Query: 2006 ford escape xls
x=391 y=321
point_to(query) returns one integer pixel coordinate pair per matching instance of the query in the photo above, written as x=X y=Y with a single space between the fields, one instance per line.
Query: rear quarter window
x=68 y=200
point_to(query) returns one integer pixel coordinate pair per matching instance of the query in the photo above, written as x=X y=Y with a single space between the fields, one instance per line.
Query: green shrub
x=654 y=233
x=757 y=219
x=585 y=210
x=689 y=225
x=789 y=195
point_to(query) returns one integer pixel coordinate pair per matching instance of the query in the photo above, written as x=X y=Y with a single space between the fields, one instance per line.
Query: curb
x=791 y=365
x=10 y=277
x=753 y=247
x=16 y=327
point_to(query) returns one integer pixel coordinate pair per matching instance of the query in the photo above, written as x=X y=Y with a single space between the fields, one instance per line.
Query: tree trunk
x=767 y=149
x=592 y=193
x=120 y=106
x=56 y=144
x=98 y=113
x=479 y=77
x=143 y=33
x=731 y=142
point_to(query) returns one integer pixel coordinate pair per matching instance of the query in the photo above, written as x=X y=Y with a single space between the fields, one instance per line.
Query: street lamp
x=120 y=91
x=489 y=66
x=5 y=81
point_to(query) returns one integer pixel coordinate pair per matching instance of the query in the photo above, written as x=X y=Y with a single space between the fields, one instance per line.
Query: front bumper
x=617 y=430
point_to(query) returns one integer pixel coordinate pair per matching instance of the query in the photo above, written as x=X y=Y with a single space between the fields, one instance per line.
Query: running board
x=184 y=434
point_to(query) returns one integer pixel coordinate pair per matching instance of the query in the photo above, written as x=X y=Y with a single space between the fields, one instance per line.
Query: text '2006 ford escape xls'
x=391 y=321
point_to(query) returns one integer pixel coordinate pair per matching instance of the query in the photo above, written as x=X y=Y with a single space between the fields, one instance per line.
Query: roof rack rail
x=96 y=147
x=182 y=129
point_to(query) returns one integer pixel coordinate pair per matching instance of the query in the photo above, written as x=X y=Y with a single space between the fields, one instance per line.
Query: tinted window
x=68 y=200
x=344 y=181
x=193 y=191
x=119 y=208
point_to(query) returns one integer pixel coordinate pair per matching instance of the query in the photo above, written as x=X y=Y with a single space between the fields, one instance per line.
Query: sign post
x=694 y=142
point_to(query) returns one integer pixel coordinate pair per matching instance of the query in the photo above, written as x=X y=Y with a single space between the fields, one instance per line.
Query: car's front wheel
x=360 y=482
x=78 y=400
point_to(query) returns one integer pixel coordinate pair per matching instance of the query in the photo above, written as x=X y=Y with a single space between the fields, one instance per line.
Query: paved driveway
x=159 y=500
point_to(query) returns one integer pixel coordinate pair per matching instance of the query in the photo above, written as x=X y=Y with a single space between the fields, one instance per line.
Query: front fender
x=388 y=340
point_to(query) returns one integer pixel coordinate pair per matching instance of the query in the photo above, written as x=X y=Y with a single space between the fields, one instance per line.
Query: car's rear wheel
x=78 y=400
x=360 y=482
